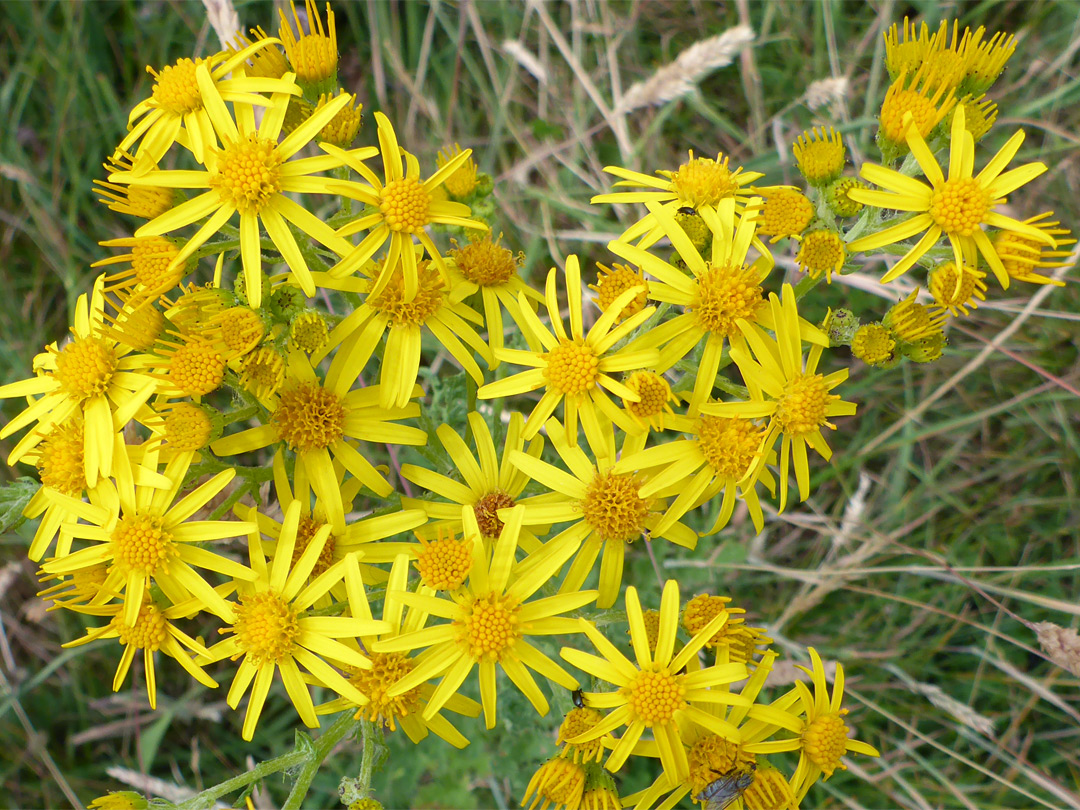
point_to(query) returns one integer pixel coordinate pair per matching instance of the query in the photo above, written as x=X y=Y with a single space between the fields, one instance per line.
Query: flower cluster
x=311 y=355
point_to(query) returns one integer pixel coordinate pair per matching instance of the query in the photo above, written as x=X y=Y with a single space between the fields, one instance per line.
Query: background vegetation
x=950 y=508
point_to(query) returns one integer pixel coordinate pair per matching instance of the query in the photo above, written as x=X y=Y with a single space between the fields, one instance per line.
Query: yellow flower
x=269 y=62
x=720 y=454
x=314 y=56
x=559 y=782
x=955 y=296
x=722 y=756
x=387 y=668
x=958 y=205
x=720 y=291
x=784 y=212
x=910 y=321
x=769 y=791
x=272 y=629
x=92 y=377
x=145 y=202
x=700 y=183
x=342 y=129
x=874 y=345
x=822 y=736
x=653 y=692
x=819 y=155
x=389 y=310
x=151 y=269
x=838 y=199
x=251 y=174
x=795 y=397
x=576 y=365
x=611 y=282
x=152 y=631
x=921 y=98
x=490 y=620
x=463 y=181
x=1021 y=255
x=821 y=252
x=145 y=537
x=652 y=407
x=316 y=419
x=606 y=506
x=485 y=265
x=403 y=207
x=489 y=481
x=180 y=99
x=367 y=535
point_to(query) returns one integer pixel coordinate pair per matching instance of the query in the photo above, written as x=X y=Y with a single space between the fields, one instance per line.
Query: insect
x=721 y=792
x=578 y=697
x=687 y=211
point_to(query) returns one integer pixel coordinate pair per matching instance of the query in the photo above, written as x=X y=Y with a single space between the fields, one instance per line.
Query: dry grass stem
x=1061 y=645
x=827 y=92
x=681 y=77
x=523 y=57
x=223 y=19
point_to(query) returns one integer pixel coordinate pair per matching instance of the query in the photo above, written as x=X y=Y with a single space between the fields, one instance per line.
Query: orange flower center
x=959 y=206
x=429 y=295
x=197 y=369
x=141 y=544
x=85 y=367
x=485 y=263
x=613 y=507
x=487 y=512
x=611 y=282
x=654 y=393
x=784 y=213
x=655 y=695
x=825 y=740
x=444 y=563
x=248 y=174
x=150 y=259
x=175 y=88
x=491 y=626
x=801 y=408
x=305 y=531
x=729 y=445
x=405 y=205
x=60 y=458
x=150 y=631
x=187 y=427
x=704 y=181
x=572 y=367
x=309 y=417
x=724 y=295
x=386 y=670
x=266 y=626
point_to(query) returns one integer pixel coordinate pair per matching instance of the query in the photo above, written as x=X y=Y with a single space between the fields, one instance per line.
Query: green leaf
x=13 y=500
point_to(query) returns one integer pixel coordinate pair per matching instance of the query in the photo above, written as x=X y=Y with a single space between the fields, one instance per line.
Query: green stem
x=207 y=797
x=323 y=746
x=367 y=765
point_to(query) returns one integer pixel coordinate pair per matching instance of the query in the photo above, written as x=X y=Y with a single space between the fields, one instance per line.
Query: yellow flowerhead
x=784 y=212
x=312 y=56
x=959 y=205
x=819 y=155
x=797 y=399
x=576 y=368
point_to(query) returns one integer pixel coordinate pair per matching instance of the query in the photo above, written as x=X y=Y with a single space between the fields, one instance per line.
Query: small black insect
x=721 y=792
x=687 y=211
x=578 y=697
